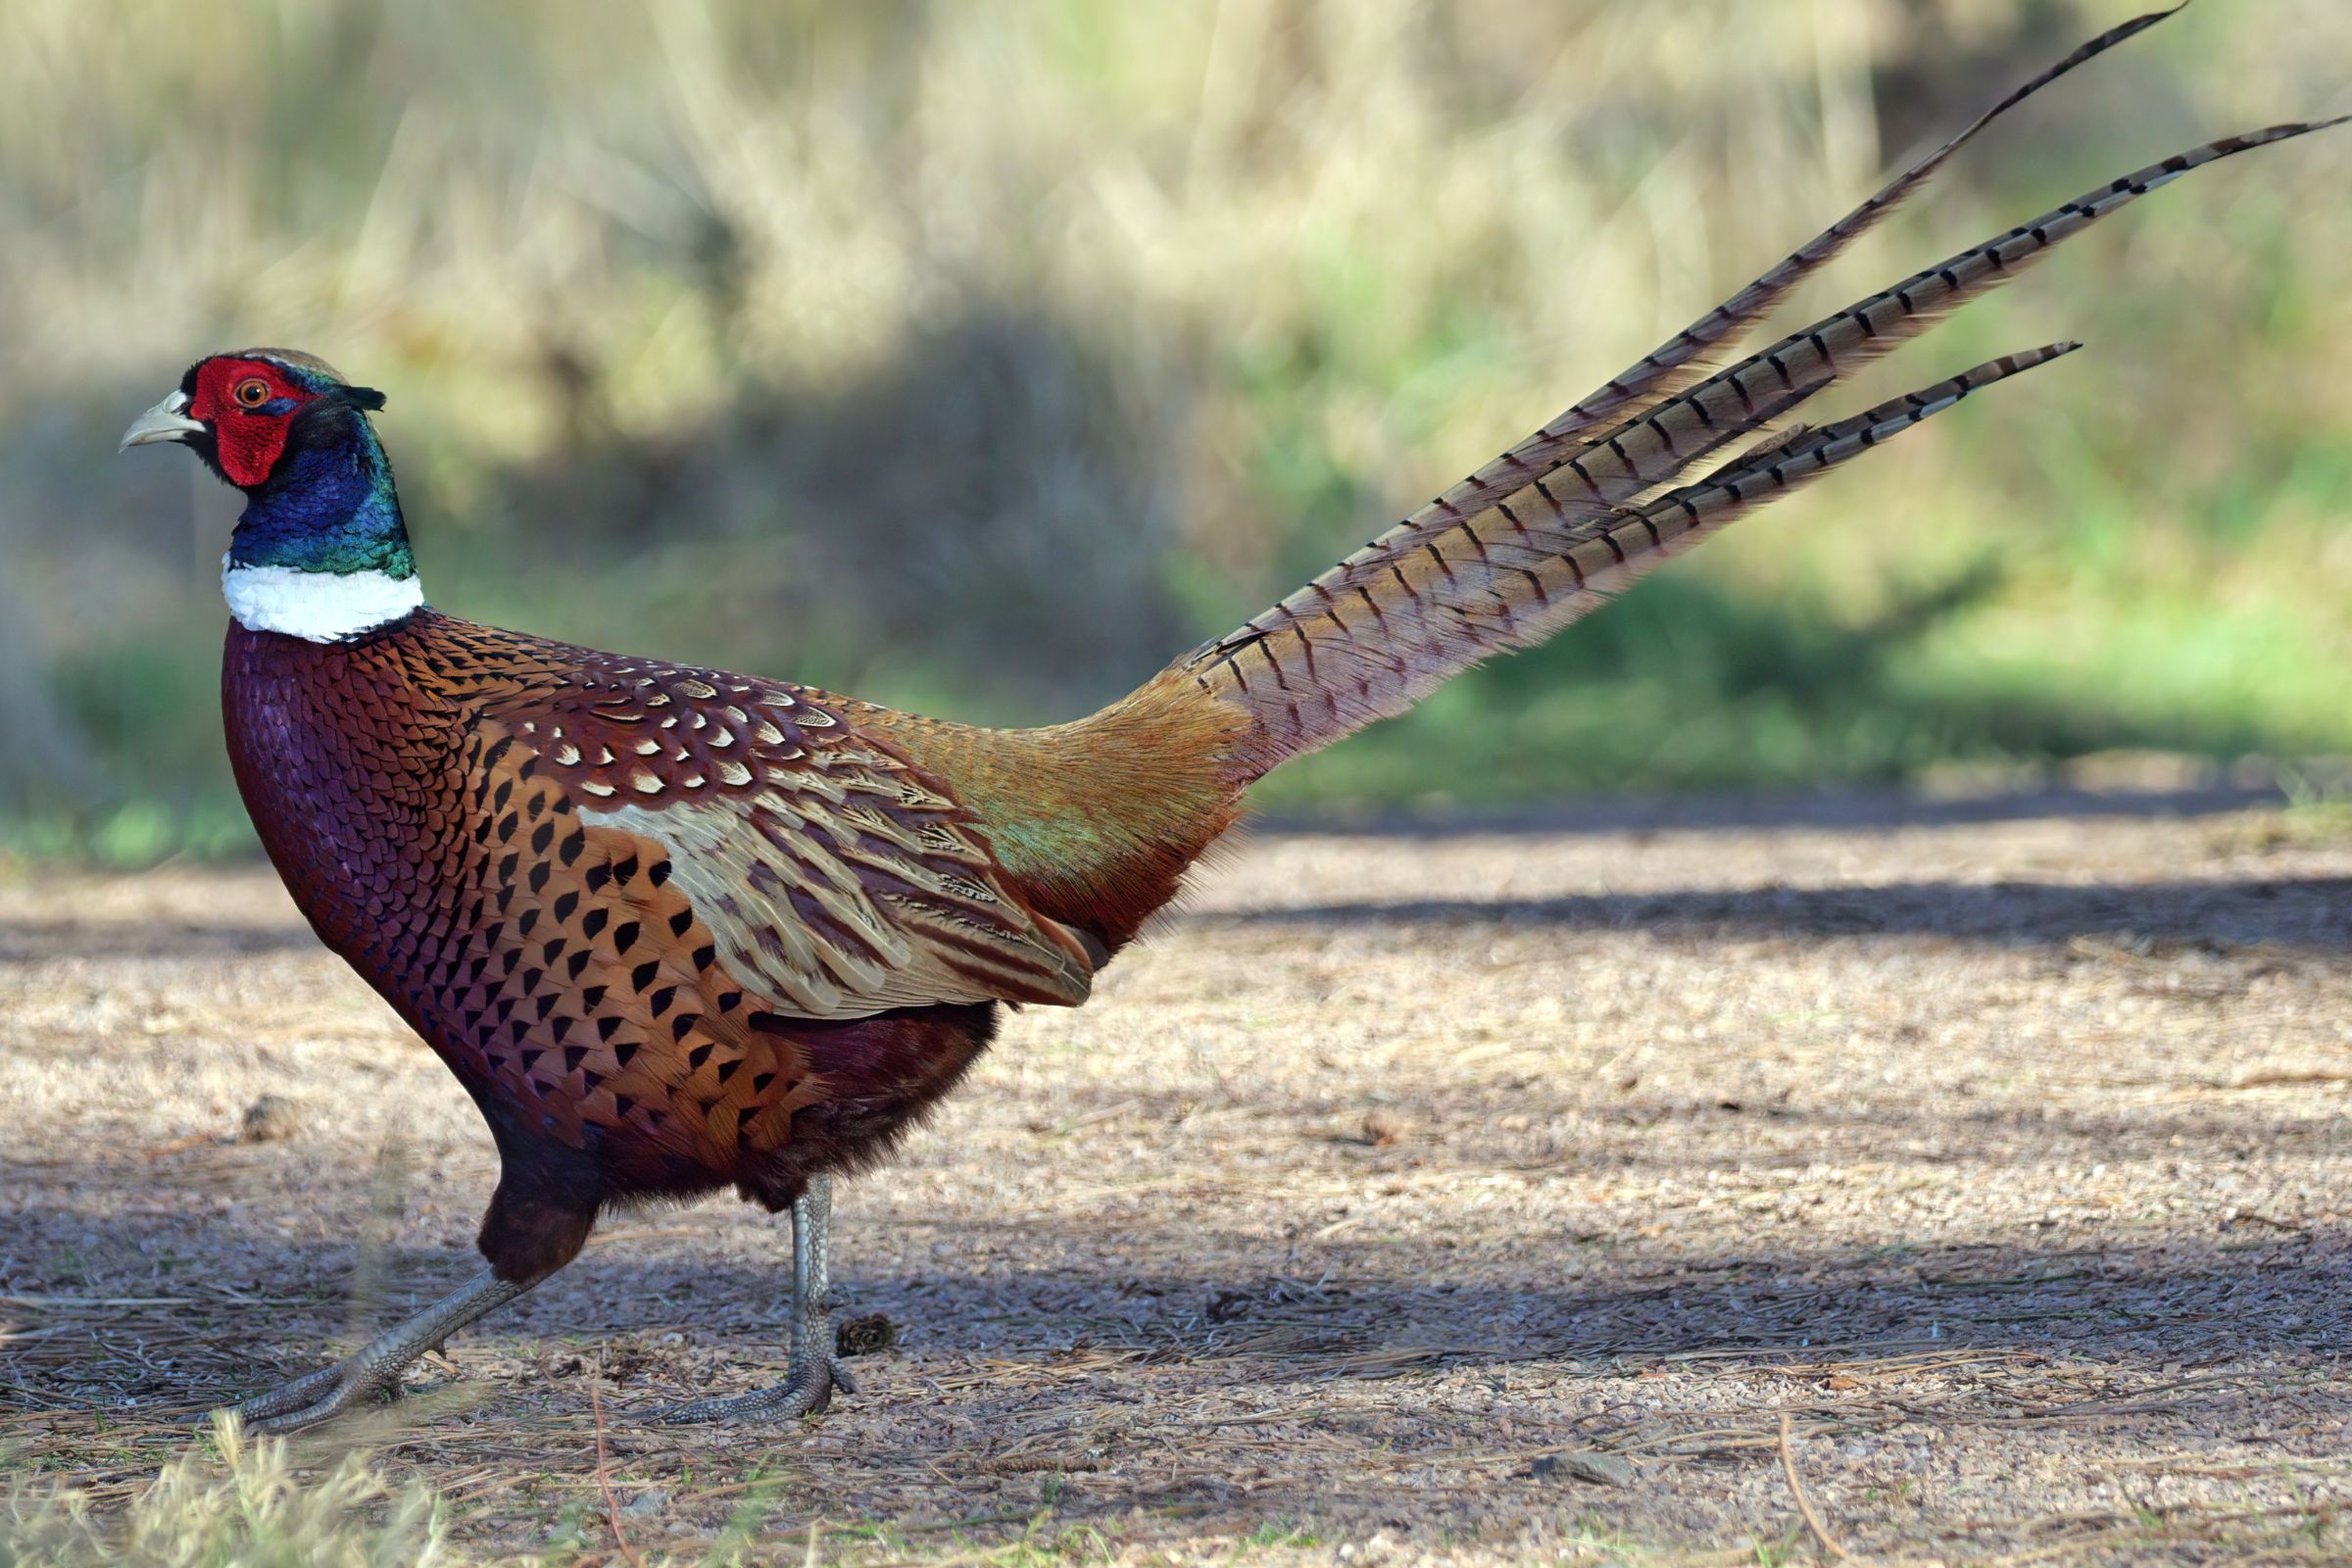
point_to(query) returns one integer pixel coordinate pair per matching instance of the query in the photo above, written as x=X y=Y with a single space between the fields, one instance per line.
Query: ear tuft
x=362 y=397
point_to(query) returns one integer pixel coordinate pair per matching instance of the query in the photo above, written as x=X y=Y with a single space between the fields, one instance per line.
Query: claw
x=804 y=1393
x=815 y=1372
x=319 y=1396
x=313 y=1398
x=294 y=1395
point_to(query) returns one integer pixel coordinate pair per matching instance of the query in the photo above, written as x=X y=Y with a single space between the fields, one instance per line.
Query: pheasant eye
x=251 y=393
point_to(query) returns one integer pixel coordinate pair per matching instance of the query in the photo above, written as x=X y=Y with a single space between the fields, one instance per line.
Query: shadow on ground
x=2251 y=1288
x=2311 y=912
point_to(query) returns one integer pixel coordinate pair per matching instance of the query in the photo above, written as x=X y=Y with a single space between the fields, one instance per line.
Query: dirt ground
x=1969 y=1188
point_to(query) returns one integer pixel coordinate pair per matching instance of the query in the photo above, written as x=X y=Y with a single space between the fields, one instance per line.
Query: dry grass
x=244 y=1505
x=1469 y=1197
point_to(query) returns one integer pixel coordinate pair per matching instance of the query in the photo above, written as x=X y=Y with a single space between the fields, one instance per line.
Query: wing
x=658 y=886
x=834 y=877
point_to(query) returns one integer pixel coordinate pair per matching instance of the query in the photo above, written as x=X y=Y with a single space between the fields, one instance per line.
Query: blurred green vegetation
x=980 y=358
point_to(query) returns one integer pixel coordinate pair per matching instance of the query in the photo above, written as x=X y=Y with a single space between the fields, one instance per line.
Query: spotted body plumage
x=498 y=833
x=676 y=929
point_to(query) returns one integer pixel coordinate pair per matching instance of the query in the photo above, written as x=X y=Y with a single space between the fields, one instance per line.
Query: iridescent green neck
x=329 y=507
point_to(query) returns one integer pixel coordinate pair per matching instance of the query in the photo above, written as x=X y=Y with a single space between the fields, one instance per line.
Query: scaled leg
x=808 y=1388
x=376 y=1368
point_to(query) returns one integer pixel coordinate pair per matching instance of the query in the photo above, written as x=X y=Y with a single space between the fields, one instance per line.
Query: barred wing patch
x=836 y=912
x=836 y=879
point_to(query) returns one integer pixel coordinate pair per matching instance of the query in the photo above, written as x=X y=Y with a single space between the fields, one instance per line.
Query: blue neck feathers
x=328 y=506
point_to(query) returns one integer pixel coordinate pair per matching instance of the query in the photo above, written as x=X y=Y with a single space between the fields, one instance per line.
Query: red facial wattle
x=249 y=428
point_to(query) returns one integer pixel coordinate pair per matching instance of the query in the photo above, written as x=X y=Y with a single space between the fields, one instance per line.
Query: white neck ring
x=318 y=606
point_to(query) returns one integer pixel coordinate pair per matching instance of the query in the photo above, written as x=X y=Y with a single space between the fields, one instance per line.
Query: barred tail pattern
x=1673 y=364
x=1577 y=511
x=1677 y=517
x=1618 y=547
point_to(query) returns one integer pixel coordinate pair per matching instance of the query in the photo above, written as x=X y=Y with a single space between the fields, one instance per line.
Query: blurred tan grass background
x=979 y=358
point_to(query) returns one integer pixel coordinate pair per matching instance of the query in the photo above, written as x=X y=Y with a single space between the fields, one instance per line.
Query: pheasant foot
x=815 y=1371
x=375 y=1370
x=806 y=1392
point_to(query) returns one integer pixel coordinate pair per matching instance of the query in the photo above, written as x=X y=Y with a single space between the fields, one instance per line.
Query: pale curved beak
x=168 y=420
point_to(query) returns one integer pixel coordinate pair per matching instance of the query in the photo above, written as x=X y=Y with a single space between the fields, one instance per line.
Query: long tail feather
x=1674 y=363
x=1644 y=451
x=1437 y=595
x=1545 y=532
x=1777 y=466
x=1624 y=546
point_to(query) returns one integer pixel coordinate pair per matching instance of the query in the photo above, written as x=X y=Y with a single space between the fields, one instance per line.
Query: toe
x=308 y=1400
x=799 y=1396
x=285 y=1423
x=302 y=1392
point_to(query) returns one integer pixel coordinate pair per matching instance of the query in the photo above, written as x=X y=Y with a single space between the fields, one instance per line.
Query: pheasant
x=676 y=929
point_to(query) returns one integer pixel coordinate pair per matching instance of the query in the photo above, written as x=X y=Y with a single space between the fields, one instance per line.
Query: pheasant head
x=321 y=551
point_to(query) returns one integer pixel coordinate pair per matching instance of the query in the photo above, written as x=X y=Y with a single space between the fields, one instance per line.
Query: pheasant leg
x=809 y=1387
x=328 y=1392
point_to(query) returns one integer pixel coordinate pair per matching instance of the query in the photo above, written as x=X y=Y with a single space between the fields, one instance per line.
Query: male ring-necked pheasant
x=676 y=929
